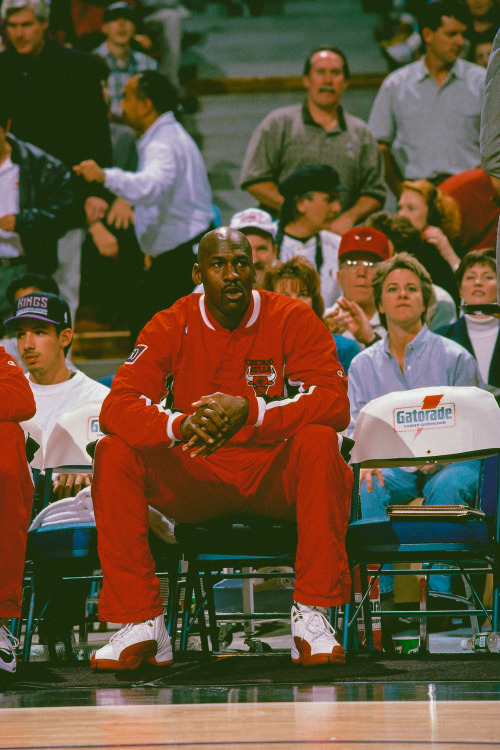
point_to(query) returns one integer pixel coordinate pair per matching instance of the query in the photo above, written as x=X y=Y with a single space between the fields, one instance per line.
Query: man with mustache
x=317 y=132
x=256 y=397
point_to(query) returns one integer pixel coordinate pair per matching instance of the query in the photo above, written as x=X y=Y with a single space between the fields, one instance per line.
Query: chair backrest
x=67 y=443
x=424 y=425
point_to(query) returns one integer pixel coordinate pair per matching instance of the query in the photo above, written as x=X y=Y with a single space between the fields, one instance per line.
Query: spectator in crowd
x=477 y=195
x=479 y=334
x=260 y=230
x=158 y=22
x=111 y=257
x=170 y=192
x=35 y=197
x=78 y=25
x=436 y=215
x=483 y=23
x=399 y=40
x=16 y=496
x=56 y=104
x=237 y=341
x=42 y=325
x=298 y=278
x=119 y=26
x=311 y=196
x=480 y=48
x=426 y=114
x=24 y=284
x=355 y=314
x=410 y=356
x=319 y=131
x=490 y=127
x=403 y=237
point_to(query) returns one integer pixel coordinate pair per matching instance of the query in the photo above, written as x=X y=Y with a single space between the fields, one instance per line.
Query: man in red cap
x=354 y=314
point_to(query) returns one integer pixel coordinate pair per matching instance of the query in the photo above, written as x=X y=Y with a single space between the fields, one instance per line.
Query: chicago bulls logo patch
x=260 y=375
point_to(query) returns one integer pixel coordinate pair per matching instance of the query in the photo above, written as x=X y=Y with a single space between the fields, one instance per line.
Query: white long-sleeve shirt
x=170 y=191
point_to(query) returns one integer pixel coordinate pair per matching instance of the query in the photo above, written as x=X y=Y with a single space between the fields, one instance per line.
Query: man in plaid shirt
x=119 y=25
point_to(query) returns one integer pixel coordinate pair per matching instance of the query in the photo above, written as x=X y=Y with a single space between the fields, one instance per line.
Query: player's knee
x=113 y=452
x=316 y=439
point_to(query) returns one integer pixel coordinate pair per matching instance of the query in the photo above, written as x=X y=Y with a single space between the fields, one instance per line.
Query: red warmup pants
x=304 y=478
x=16 y=499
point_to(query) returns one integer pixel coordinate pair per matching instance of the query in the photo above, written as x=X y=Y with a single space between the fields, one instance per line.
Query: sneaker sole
x=132 y=657
x=8 y=668
x=318 y=659
x=301 y=654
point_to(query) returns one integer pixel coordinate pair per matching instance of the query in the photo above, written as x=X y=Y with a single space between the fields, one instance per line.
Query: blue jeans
x=455 y=484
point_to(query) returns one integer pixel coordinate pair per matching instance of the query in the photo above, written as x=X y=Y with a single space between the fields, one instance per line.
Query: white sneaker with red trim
x=313 y=638
x=133 y=644
x=8 y=650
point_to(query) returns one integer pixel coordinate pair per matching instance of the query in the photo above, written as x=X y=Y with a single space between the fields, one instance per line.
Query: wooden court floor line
x=442 y=725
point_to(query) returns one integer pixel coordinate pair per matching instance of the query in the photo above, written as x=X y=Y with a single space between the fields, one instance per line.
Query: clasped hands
x=217 y=418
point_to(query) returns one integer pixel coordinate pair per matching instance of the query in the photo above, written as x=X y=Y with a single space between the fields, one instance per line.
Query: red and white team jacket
x=281 y=357
x=16 y=399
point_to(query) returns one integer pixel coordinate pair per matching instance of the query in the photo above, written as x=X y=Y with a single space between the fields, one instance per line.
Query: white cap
x=254 y=218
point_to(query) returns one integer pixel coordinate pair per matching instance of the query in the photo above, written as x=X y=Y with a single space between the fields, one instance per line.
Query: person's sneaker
x=313 y=638
x=133 y=644
x=8 y=646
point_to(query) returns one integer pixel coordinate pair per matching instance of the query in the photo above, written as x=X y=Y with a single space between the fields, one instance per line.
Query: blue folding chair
x=234 y=543
x=66 y=548
x=66 y=551
x=400 y=429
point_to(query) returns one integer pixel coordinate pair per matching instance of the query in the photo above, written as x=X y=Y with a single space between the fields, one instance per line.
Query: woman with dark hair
x=479 y=334
x=299 y=279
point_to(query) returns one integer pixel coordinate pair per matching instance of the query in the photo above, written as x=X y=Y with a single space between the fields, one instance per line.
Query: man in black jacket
x=35 y=200
x=56 y=104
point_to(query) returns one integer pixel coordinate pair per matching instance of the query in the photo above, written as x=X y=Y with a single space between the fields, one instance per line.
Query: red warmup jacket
x=16 y=402
x=281 y=357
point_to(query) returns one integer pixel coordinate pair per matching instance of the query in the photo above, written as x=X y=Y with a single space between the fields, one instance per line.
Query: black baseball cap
x=319 y=177
x=41 y=306
x=119 y=10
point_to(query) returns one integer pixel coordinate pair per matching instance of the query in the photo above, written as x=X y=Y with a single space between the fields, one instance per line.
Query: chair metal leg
x=173 y=600
x=367 y=612
x=200 y=608
x=424 y=597
x=174 y=615
x=470 y=596
x=188 y=596
x=496 y=606
x=212 y=616
x=28 y=636
x=345 y=634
